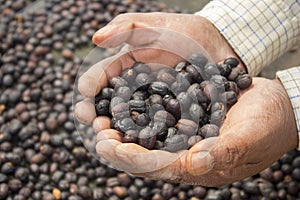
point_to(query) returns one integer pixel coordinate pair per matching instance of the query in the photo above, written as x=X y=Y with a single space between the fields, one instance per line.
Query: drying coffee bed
x=41 y=154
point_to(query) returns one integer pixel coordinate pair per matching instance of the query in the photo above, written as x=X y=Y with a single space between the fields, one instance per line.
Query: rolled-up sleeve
x=259 y=31
x=290 y=79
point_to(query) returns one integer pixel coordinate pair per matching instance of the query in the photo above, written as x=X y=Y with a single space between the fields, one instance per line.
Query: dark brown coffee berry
x=243 y=81
x=147 y=138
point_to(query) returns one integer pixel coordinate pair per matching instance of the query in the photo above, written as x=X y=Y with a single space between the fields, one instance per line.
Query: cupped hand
x=257 y=130
x=251 y=135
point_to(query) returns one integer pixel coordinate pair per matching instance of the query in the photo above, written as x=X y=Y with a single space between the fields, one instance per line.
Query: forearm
x=258 y=31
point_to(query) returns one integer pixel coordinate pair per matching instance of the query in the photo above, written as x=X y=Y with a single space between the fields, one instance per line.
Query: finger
x=97 y=76
x=91 y=82
x=199 y=159
x=133 y=33
x=101 y=123
x=140 y=160
x=85 y=111
x=109 y=134
x=106 y=149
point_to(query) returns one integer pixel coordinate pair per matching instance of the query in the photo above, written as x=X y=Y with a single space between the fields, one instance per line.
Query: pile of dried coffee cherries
x=172 y=108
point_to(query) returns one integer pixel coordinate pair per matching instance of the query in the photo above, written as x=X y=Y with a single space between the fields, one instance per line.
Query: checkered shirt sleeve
x=260 y=31
x=290 y=79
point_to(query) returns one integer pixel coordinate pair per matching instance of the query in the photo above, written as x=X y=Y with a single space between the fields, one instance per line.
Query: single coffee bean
x=165 y=117
x=120 y=111
x=211 y=92
x=196 y=112
x=232 y=86
x=217 y=117
x=197 y=94
x=229 y=97
x=141 y=68
x=159 y=88
x=194 y=140
x=194 y=73
x=187 y=127
x=117 y=82
x=171 y=132
x=125 y=124
x=139 y=95
x=183 y=77
x=218 y=106
x=184 y=100
x=209 y=130
x=180 y=66
x=173 y=107
x=105 y=93
x=198 y=60
x=225 y=69
x=155 y=99
x=176 y=143
x=211 y=69
x=219 y=81
x=243 y=81
x=142 y=120
x=168 y=70
x=131 y=136
x=143 y=80
x=178 y=87
x=167 y=98
x=115 y=101
x=129 y=75
x=233 y=62
x=155 y=108
x=147 y=138
x=165 y=77
x=161 y=130
x=235 y=72
x=102 y=107
x=124 y=92
x=137 y=105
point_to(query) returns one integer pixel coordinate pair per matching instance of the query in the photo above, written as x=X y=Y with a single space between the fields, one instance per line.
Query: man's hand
x=257 y=130
x=251 y=136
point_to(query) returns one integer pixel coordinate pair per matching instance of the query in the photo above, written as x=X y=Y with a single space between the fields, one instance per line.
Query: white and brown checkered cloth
x=260 y=31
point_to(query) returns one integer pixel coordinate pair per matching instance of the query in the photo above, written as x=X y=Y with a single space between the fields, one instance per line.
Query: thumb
x=132 y=33
x=199 y=159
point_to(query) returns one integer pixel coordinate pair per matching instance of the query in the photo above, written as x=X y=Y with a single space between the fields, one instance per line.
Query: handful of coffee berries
x=172 y=108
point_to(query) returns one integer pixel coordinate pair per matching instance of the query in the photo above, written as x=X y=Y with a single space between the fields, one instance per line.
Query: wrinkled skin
x=257 y=130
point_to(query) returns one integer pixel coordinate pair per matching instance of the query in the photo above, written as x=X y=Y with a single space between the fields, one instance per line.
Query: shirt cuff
x=290 y=79
x=258 y=31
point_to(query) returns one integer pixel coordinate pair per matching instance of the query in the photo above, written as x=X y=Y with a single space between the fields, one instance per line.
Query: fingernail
x=104 y=29
x=201 y=162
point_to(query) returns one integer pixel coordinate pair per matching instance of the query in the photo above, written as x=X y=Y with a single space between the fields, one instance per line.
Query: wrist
x=290 y=121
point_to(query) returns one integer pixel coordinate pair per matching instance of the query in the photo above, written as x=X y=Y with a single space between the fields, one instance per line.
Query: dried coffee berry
x=102 y=108
x=198 y=60
x=159 y=88
x=187 y=127
x=131 y=136
x=243 y=81
x=140 y=67
x=165 y=117
x=176 y=143
x=209 y=130
x=147 y=138
x=129 y=75
x=233 y=62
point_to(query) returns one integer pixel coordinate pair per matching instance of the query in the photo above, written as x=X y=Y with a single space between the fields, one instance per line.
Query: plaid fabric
x=260 y=31
x=290 y=79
